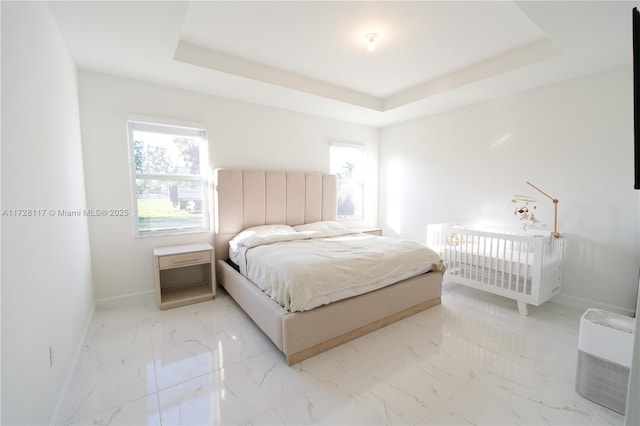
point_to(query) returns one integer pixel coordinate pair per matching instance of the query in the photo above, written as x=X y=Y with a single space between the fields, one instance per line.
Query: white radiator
x=524 y=266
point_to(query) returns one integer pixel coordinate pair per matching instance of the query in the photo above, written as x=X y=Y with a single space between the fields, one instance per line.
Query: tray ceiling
x=312 y=57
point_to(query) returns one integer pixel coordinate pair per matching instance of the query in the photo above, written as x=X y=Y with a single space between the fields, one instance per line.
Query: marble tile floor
x=471 y=360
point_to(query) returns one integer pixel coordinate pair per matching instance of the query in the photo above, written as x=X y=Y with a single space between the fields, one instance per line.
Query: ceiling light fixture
x=371 y=41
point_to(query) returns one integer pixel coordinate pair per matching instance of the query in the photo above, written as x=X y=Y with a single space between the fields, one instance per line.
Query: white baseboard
x=584 y=304
x=126 y=300
x=72 y=367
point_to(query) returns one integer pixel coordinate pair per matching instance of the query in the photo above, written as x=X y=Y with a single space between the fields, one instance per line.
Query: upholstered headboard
x=246 y=198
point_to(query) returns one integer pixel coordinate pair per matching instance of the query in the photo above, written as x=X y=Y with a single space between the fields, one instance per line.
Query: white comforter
x=302 y=271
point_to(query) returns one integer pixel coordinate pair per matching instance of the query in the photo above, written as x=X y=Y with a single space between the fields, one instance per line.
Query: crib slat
x=483 y=271
x=504 y=266
x=493 y=267
x=526 y=270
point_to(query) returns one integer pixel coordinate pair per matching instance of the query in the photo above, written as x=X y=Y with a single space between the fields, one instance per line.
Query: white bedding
x=308 y=268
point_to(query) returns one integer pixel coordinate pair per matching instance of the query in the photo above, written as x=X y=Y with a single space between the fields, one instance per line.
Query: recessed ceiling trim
x=516 y=58
x=201 y=57
x=513 y=59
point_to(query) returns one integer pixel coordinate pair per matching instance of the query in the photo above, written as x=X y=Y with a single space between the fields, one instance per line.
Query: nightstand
x=184 y=275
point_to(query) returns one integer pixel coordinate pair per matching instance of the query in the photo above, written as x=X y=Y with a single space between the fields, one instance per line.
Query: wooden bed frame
x=246 y=198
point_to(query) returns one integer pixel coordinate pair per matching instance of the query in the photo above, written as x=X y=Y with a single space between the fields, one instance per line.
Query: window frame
x=360 y=182
x=165 y=127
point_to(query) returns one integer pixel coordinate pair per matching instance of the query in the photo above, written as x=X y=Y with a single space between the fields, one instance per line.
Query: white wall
x=47 y=294
x=239 y=134
x=573 y=140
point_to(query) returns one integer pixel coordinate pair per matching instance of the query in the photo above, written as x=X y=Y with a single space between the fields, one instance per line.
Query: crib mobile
x=522 y=208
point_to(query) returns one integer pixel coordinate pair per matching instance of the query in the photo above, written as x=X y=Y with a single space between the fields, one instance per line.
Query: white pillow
x=262 y=230
x=326 y=226
x=255 y=235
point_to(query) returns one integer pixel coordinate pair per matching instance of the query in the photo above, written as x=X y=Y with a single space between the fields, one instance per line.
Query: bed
x=254 y=198
x=525 y=266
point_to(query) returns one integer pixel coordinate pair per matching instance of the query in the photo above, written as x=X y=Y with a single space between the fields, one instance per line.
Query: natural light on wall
x=394 y=196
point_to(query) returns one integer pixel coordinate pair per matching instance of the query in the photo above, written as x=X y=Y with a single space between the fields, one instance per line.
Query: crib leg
x=522 y=308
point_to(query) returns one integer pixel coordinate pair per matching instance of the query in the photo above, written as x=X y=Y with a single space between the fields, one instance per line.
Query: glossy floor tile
x=471 y=360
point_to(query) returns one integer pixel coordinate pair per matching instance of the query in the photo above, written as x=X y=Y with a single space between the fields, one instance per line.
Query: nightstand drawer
x=186 y=259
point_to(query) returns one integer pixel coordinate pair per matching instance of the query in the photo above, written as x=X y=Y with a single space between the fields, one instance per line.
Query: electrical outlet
x=52 y=356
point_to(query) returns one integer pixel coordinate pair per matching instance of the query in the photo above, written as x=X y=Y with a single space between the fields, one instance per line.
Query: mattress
x=305 y=267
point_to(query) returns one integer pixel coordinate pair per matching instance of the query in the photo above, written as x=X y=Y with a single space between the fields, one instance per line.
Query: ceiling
x=312 y=57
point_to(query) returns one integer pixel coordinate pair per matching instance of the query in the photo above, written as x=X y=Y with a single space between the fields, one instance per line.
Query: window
x=169 y=174
x=347 y=163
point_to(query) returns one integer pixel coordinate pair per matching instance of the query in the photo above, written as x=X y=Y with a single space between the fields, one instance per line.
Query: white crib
x=522 y=265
